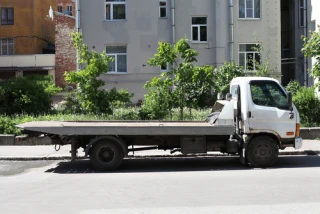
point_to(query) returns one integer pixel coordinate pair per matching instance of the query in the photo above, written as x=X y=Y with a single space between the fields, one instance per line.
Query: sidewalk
x=310 y=147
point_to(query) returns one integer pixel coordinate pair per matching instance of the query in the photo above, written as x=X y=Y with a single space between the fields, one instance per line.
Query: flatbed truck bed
x=127 y=128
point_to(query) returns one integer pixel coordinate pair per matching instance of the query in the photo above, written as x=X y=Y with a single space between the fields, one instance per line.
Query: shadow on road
x=183 y=164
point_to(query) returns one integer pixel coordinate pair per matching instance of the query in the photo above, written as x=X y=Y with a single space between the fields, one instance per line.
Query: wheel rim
x=106 y=155
x=263 y=152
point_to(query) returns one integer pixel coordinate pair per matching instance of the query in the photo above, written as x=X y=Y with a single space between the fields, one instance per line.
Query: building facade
x=27 y=38
x=66 y=7
x=219 y=30
x=298 y=18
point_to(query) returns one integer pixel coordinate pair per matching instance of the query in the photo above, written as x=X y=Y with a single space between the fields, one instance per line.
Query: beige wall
x=267 y=29
x=143 y=29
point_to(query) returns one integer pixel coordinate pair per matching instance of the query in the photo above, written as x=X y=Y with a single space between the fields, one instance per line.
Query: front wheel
x=106 y=156
x=262 y=152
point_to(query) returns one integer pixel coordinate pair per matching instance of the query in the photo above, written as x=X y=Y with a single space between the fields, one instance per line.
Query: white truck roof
x=248 y=79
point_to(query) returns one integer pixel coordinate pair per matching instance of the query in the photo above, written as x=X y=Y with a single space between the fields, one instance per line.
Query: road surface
x=162 y=185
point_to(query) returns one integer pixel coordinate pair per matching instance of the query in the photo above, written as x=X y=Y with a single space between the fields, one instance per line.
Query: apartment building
x=219 y=30
x=296 y=21
x=27 y=37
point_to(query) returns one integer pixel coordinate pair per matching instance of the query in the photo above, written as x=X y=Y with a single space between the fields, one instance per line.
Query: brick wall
x=65 y=52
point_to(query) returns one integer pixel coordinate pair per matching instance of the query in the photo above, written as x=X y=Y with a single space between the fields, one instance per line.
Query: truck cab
x=264 y=101
x=266 y=111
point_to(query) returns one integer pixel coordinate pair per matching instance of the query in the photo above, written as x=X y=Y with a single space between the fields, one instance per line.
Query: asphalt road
x=162 y=185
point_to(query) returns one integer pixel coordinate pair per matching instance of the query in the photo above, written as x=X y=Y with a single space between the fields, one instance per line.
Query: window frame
x=60 y=6
x=8 y=44
x=164 y=70
x=199 y=32
x=270 y=82
x=253 y=11
x=313 y=25
x=111 y=3
x=115 y=55
x=68 y=7
x=302 y=16
x=7 y=20
x=246 y=52
x=166 y=8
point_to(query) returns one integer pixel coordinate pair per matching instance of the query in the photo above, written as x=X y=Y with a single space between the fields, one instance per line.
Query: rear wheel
x=262 y=152
x=106 y=156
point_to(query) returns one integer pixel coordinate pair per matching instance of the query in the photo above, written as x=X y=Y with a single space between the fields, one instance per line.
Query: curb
x=310 y=133
x=291 y=153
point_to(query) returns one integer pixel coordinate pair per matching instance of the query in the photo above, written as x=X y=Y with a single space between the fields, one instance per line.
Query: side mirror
x=220 y=96
x=289 y=99
x=229 y=96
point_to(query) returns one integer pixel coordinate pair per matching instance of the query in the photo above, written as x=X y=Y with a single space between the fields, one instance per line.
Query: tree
x=311 y=48
x=92 y=98
x=224 y=74
x=183 y=85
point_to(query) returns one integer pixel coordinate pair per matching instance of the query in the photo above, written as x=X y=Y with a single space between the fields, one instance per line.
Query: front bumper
x=298 y=143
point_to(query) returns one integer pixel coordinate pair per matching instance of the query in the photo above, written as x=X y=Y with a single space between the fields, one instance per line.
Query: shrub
x=293 y=87
x=224 y=74
x=184 y=85
x=90 y=95
x=30 y=95
x=308 y=106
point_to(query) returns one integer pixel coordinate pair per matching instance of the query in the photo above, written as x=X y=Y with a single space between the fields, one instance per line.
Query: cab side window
x=268 y=93
x=234 y=91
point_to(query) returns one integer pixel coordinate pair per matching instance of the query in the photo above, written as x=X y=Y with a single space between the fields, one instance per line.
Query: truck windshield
x=268 y=93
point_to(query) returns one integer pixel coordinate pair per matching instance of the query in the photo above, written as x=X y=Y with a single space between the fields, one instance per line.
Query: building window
x=249 y=9
x=199 y=29
x=302 y=13
x=163 y=8
x=69 y=9
x=313 y=26
x=119 y=54
x=7 y=47
x=7 y=16
x=164 y=67
x=249 y=56
x=115 y=9
x=60 y=9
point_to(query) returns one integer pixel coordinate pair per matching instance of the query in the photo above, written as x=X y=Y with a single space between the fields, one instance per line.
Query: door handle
x=291 y=116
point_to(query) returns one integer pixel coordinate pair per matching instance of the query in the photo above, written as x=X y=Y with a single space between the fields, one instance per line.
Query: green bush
x=29 y=95
x=223 y=76
x=293 y=87
x=90 y=95
x=308 y=106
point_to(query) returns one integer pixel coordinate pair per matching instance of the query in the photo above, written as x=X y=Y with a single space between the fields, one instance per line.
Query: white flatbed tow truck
x=257 y=119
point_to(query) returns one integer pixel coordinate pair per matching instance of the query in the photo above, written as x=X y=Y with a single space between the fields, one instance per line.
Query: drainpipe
x=78 y=27
x=305 y=34
x=173 y=21
x=173 y=26
x=231 y=39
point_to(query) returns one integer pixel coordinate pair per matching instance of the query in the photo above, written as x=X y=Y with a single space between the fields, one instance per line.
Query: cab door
x=269 y=109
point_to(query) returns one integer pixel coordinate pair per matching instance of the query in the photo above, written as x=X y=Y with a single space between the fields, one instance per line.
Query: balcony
x=23 y=62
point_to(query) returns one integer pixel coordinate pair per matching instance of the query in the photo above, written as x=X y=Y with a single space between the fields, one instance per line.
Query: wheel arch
x=272 y=136
x=114 y=139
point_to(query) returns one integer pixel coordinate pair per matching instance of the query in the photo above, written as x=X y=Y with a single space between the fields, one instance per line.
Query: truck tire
x=106 y=156
x=262 y=152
